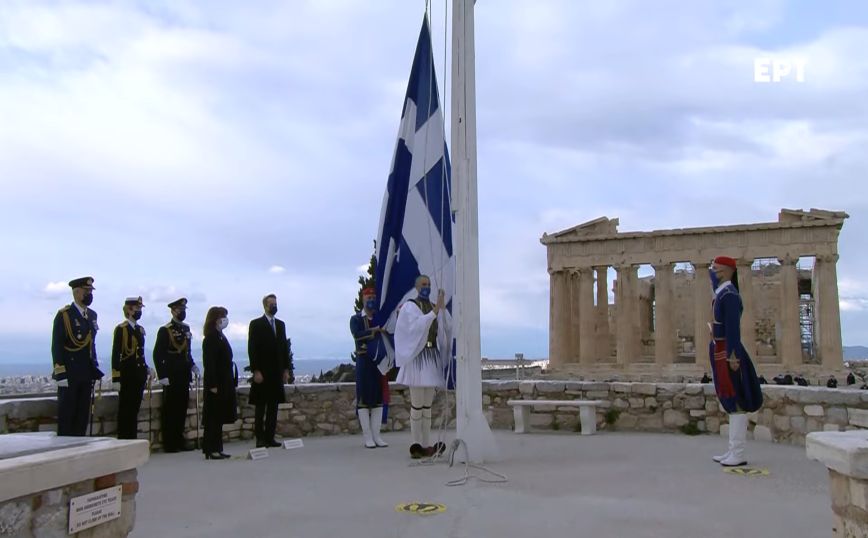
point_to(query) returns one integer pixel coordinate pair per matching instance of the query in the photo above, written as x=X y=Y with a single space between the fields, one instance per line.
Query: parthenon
x=658 y=322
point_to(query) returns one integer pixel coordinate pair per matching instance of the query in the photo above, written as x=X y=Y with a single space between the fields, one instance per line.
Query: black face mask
x=87 y=300
x=272 y=310
x=137 y=316
x=181 y=316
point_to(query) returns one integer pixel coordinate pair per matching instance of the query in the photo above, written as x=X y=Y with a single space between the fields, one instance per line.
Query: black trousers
x=212 y=424
x=129 y=403
x=265 y=422
x=73 y=408
x=175 y=401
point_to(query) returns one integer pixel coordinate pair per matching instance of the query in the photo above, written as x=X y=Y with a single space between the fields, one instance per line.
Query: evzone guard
x=735 y=380
x=370 y=355
x=421 y=352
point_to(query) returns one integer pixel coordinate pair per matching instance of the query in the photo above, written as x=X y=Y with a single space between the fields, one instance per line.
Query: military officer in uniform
x=129 y=368
x=173 y=360
x=73 y=353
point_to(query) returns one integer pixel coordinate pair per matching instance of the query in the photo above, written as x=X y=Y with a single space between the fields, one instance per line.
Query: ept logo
x=776 y=69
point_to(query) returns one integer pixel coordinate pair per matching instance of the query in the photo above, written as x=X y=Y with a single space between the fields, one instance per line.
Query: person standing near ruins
x=129 y=369
x=421 y=352
x=735 y=379
x=268 y=351
x=73 y=355
x=220 y=380
x=370 y=353
x=173 y=360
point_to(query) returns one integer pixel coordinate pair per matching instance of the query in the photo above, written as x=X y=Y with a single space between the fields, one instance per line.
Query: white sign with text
x=258 y=453
x=292 y=443
x=94 y=509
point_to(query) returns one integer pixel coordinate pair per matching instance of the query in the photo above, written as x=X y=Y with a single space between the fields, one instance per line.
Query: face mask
x=87 y=300
x=181 y=316
x=137 y=315
x=715 y=282
x=272 y=310
x=425 y=292
x=371 y=304
x=222 y=323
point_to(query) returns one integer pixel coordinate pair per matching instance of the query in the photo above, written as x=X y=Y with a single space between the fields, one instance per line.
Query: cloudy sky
x=221 y=150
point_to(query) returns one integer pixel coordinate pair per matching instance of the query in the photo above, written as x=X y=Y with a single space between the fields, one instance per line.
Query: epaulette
x=65 y=308
x=120 y=325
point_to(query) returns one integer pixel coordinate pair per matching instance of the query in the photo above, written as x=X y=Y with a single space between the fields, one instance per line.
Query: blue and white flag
x=415 y=234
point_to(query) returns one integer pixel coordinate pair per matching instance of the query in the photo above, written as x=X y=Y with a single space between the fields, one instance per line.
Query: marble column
x=745 y=286
x=587 y=342
x=559 y=317
x=604 y=351
x=622 y=315
x=702 y=317
x=572 y=354
x=790 y=344
x=827 y=312
x=664 y=331
x=635 y=342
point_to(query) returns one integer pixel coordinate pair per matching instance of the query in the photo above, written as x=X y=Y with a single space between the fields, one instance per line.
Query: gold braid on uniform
x=178 y=348
x=129 y=346
x=73 y=343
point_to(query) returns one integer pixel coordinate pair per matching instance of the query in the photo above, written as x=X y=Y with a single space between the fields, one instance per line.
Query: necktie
x=271 y=321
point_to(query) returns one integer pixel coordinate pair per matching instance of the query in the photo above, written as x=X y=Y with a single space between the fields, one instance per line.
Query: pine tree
x=367 y=281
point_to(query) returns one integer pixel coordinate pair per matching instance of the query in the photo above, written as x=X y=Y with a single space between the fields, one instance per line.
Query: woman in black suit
x=220 y=381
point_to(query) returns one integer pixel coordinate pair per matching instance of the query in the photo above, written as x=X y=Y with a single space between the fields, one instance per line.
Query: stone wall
x=46 y=513
x=789 y=413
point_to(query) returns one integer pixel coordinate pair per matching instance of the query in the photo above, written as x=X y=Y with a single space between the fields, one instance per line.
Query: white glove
x=116 y=386
x=152 y=373
x=195 y=370
x=164 y=382
x=63 y=383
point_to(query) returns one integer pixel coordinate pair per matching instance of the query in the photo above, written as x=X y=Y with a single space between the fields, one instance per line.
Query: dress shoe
x=416 y=451
x=273 y=444
x=225 y=455
x=214 y=456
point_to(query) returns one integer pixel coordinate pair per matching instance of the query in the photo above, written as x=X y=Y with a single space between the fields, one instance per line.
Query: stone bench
x=587 y=412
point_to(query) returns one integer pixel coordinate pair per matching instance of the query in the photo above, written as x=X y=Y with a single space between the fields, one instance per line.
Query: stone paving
x=560 y=484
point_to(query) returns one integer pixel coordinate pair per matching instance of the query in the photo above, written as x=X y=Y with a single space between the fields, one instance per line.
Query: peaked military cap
x=83 y=282
x=133 y=301
x=180 y=302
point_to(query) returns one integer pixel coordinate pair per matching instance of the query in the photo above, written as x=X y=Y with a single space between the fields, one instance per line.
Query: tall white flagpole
x=472 y=425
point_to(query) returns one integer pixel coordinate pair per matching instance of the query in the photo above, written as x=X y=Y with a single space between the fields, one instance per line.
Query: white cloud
x=237 y=330
x=53 y=289
x=258 y=117
x=857 y=304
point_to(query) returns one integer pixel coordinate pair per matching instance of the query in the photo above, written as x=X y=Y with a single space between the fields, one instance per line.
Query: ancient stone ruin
x=788 y=280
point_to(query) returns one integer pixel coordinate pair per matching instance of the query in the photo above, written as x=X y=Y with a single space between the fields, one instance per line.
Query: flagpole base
x=477 y=435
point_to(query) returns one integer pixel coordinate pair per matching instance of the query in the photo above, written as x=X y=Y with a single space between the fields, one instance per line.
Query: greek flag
x=415 y=234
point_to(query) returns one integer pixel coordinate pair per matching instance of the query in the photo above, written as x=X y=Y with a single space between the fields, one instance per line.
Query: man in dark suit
x=173 y=360
x=271 y=366
x=73 y=353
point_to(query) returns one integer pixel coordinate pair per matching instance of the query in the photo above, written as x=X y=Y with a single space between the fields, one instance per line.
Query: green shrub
x=611 y=416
